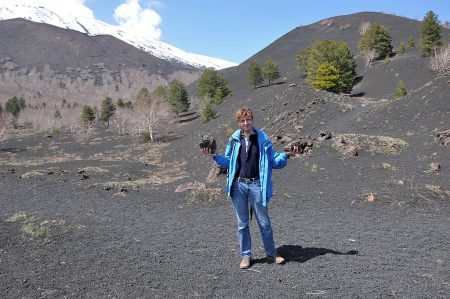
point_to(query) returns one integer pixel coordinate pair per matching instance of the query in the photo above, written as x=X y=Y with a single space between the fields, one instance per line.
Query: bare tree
x=123 y=120
x=40 y=118
x=440 y=62
x=85 y=132
x=70 y=119
x=152 y=113
x=369 y=57
x=363 y=27
x=4 y=126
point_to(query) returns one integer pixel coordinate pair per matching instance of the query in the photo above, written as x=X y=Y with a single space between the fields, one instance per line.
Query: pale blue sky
x=234 y=30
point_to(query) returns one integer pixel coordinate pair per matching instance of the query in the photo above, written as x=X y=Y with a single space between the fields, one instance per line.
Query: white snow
x=75 y=16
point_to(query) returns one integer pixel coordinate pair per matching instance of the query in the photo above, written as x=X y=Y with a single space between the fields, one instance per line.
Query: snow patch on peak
x=74 y=15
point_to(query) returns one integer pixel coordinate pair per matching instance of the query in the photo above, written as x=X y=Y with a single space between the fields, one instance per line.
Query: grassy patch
x=32 y=226
x=38 y=228
x=373 y=144
x=203 y=196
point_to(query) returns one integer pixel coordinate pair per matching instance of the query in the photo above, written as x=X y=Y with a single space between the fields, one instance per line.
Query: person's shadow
x=296 y=253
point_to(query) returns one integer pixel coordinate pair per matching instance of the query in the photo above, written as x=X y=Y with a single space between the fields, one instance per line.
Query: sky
x=235 y=30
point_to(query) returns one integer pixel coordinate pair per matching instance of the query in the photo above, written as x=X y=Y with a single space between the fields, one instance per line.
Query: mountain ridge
x=42 y=62
x=43 y=12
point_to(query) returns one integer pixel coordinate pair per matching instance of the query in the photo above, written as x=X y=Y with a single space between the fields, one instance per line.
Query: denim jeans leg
x=262 y=217
x=239 y=197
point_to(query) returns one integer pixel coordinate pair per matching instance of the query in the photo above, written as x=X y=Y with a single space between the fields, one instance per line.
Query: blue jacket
x=268 y=159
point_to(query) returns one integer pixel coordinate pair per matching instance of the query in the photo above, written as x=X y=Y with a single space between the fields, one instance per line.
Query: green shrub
x=401 y=48
x=218 y=97
x=57 y=115
x=327 y=78
x=87 y=115
x=15 y=105
x=255 y=74
x=387 y=60
x=107 y=110
x=400 y=90
x=335 y=53
x=208 y=113
x=270 y=71
x=128 y=104
x=120 y=103
x=410 y=43
x=177 y=97
x=430 y=33
x=210 y=81
x=146 y=136
x=378 y=38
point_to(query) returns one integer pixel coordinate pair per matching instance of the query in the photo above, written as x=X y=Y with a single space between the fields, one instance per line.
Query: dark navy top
x=248 y=162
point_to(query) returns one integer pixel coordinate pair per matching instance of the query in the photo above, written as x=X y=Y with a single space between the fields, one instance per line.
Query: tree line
x=328 y=65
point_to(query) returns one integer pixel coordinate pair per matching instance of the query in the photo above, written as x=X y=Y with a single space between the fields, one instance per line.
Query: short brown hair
x=243 y=112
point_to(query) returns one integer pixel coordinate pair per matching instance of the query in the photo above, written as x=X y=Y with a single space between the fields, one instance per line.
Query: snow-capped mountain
x=71 y=15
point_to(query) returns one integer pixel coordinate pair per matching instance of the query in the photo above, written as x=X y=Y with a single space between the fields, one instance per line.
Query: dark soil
x=147 y=241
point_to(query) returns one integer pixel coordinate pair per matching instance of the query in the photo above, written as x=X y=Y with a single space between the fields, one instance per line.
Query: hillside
x=292 y=109
x=44 y=63
x=362 y=213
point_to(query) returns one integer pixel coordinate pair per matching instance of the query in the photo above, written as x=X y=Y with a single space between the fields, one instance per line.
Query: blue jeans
x=243 y=194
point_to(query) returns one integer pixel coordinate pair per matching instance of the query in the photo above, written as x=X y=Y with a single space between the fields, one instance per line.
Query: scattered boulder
x=31 y=174
x=345 y=147
x=304 y=144
x=444 y=137
x=325 y=135
x=435 y=167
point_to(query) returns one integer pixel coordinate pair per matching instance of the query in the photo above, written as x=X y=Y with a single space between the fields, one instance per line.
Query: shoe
x=245 y=263
x=277 y=259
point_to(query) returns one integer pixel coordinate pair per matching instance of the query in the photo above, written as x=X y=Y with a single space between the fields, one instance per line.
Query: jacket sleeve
x=278 y=160
x=224 y=160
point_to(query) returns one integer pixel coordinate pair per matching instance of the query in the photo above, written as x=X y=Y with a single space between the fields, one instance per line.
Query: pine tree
x=328 y=51
x=430 y=33
x=209 y=81
x=255 y=74
x=271 y=71
x=378 y=38
x=177 y=97
x=327 y=78
x=107 y=110
x=87 y=115
x=57 y=115
x=142 y=96
x=12 y=106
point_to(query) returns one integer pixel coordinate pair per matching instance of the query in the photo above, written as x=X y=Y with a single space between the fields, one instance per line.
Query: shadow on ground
x=296 y=253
